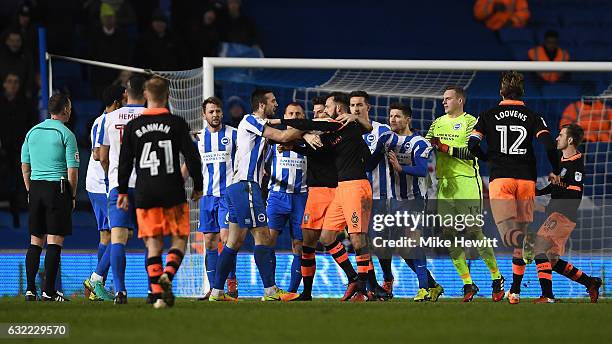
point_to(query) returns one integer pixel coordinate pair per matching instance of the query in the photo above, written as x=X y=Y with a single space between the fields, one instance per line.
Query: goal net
x=420 y=87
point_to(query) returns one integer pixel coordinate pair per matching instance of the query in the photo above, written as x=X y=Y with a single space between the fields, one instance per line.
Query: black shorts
x=50 y=209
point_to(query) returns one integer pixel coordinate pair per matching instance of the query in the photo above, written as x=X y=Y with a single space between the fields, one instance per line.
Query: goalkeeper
x=460 y=187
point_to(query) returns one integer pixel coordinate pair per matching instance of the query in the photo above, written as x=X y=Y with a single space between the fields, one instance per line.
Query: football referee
x=49 y=163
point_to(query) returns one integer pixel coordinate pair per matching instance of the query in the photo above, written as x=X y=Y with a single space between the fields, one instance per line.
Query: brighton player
x=460 y=187
x=380 y=180
x=352 y=201
x=287 y=197
x=96 y=185
x=562 y=211
x=408 y=154
x=121 y=221
x=246 y=207
x=155 y=141
x=217 y=146
x=509 y=129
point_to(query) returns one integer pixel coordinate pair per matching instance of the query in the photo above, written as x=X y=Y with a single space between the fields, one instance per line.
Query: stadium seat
x=516 y=36
x=560 y=91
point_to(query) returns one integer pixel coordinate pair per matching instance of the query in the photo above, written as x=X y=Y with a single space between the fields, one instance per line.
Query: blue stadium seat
x=583 y=16
x=516 y=36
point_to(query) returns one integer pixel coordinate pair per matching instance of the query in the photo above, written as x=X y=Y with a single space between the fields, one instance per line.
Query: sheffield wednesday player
x=562 y=211
x=459 y=187
x=216 y=143
x=155 y=141
x=287 y=197
x=246 y=207
x=379 y=176
x=96 y=185
x=409 y=154
x=509 y=129
x=120 y=220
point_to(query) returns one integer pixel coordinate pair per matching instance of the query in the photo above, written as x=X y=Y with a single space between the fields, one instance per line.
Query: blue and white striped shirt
x=287 y=171
x=413 y=155
x=217 y=151
x=379 y=177
x=95 y=181
x=251 y=148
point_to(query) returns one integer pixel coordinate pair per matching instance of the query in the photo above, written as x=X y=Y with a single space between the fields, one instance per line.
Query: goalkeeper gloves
x=435 y=142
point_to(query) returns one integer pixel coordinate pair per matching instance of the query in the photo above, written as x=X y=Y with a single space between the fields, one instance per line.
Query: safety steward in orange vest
x=549 y=51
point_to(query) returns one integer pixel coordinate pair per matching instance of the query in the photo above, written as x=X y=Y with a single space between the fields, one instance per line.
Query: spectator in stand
x=108 y=44
x=593 y=116
x=238 y=28
x=13 y=59
x=158 y=49
x=549 y=51
x=24 y=24
x=204 y=39
x=17 y=115
x=236 y=111
x=496 y=14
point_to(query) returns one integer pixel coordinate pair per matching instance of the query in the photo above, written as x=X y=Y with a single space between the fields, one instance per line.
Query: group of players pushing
x=353 y=167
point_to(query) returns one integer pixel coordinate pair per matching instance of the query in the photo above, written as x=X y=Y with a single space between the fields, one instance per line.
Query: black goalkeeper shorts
x=50 y=209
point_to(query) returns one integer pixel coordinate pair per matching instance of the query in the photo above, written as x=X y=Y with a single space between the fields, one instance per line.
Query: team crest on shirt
x=355 y=219
x=226 y=141
x=406 y=145
x=261 y=217
x=578 y=176
x=563 y=172
x=457 y=126
x=370 y=138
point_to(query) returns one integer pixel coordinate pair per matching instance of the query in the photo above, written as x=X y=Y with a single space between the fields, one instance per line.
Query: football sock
x=338 y=252
x=226 y=260
x=32 y=265
x=273 y=262
x=570 y=271
x=117 y=260
x=544 y=275
x=58 y=278
x=372 y=276
x=308 y=268
x=154 y=270
x=385 y=265
x=363 y=264
x=296 y=273
x=518 y=270
x=458 y=257
x=101 y=250
x=211 y=265
x=431 y=282
x=488 y=256
x=52 y=261
x=174 y=258
x=104 y=263
x=420 y=266
x=263 y=261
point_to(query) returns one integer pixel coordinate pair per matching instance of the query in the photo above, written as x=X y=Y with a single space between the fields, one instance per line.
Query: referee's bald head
x=59 y=105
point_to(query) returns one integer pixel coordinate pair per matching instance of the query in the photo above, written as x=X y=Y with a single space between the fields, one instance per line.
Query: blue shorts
x=99 y=203
x=285 y=207
x=245 y=205
x=119 y=217
x=213 y=214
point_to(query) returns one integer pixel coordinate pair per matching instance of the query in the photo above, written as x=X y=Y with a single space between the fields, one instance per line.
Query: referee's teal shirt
x=50 y=148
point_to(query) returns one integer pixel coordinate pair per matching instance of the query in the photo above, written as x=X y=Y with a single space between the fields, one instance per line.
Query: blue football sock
x=211 y=266
x=296 y=273
x=273 y=262
x=117 y=260
x=104 y=263
x=420 y=266
x=101 y=250
x=264 y=264
x=225 y=261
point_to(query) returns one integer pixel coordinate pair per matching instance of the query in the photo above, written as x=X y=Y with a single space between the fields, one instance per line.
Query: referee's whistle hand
x=123 y=202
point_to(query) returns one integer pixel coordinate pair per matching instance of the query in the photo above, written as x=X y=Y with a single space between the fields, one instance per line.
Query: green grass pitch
x=324 y=320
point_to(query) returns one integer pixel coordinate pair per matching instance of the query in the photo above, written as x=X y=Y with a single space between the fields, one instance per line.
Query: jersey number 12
x=148 y=158
x=503 y=139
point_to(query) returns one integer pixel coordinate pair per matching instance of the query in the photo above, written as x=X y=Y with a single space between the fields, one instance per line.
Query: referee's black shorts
x=50 y=209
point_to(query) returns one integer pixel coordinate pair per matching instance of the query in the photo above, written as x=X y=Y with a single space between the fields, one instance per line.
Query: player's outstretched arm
x=282 y=136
